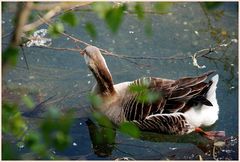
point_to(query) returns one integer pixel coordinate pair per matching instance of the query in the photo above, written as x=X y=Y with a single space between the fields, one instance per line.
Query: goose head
x=97 y=64
x=93 y=57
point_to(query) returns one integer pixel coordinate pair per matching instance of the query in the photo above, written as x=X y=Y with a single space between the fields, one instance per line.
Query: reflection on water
x=102 y=138
x=61 y=78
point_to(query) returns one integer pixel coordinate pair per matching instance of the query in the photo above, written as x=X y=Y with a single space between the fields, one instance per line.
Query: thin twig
x=7 y=34
x=25 y=58
x=200 y=53
x=37 y=107
x=62 y=5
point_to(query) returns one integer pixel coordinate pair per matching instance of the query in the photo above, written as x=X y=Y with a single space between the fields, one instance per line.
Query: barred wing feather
x=175 y=96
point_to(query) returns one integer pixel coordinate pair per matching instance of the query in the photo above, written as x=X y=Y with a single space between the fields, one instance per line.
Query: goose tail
x=212 y=90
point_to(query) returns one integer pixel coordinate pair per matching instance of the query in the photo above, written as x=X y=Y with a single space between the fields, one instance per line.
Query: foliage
x=95 y=100
x=70 y=18
x=139 y=9
x=144 y=94
x=90 y=28
x=113 y=16
x=130 y=128
x=10 y=56
x=13 y=123
x=212 y=5
x=9 y=151
x=28 y=101
x=162 y=7
x=102 y=120
x=55 y=29
x=54 y=131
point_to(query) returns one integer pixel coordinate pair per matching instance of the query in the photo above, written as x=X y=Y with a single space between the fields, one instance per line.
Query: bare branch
x=63 y=5
x=55 y=9
x=22 y=17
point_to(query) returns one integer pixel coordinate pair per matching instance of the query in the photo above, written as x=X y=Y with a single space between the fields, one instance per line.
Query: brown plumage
x=176 y=109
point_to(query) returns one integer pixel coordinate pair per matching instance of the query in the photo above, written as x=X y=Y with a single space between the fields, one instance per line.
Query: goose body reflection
x=182 y=106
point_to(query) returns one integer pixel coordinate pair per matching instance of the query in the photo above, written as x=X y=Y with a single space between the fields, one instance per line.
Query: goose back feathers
x=179 y=100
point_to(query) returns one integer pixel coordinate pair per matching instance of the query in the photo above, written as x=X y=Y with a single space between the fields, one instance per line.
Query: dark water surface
x=183 y=31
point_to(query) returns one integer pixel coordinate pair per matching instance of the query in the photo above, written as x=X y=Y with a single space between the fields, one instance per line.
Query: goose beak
x=83 y=52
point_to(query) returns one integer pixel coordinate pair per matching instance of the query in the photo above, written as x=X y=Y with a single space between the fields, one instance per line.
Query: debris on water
x=91 y=40
x=124 y=158
x=19 y=83
x=3 y=22
x=131 y=32
x=234 y=40
x=21 y=58
x=80 y=123
x=172 y=148
x=74 y=144
x=136 y=39
x=9 y=80
x=233 y=141
x=20 y=145
x=196 y=32
x=89 y=82
x=75 y=85
x=89 y=74
x=113 y=41
x=228 y=151
x=231 y=87
x=31 y=77
x=38 y=39
x=185 y=30
x=195 y=63
x=54 y=152
x=232 y=64
x=185 y=23
x=38 y=60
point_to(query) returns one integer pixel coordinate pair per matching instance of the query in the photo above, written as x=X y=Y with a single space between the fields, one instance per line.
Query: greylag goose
x=185 y=104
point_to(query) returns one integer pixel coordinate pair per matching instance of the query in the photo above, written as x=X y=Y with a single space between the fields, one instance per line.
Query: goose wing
x=174 y=96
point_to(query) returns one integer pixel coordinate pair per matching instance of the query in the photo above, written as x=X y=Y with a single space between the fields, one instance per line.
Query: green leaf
x=61 y=140
x=139 y=10
x=148 y=27
x=114 y=18
x=28 y=101
x=143 y=93
x=4 y=6
x=102 y=120
x=130 y=129
x=163 y=7
x=10 y=56
x=101 y=8
x=95 y=100
x=32 y=139
x=152 y=96
x=211 y=5
x=55 y=29
x=137 y=88
x=90 y=28
x=9 y=151
x=13 y=122
x=70 y=18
